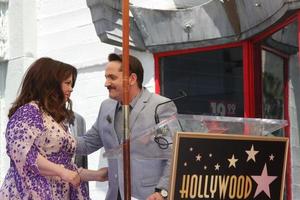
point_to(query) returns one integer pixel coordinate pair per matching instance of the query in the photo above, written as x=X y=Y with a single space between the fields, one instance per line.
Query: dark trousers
x=119 y=195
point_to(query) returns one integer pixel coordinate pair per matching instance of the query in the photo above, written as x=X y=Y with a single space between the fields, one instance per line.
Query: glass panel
x=276 y=50
x=273 y=86
x=213 y=81
x=161 y=134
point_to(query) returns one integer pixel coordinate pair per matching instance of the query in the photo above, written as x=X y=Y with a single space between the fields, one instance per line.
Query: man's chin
x=112 y=97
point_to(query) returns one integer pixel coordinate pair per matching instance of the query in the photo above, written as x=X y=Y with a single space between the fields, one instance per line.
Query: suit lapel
x=111 y=115
x=140 y=105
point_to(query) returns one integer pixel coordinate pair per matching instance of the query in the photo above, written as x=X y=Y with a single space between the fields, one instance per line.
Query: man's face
x=114 y=80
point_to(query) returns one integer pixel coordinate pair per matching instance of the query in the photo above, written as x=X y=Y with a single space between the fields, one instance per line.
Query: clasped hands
x=75 y=177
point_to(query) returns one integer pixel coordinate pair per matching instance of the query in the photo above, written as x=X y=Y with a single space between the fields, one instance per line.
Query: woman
x=38 y=142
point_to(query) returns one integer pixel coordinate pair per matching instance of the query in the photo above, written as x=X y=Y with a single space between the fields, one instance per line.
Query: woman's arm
x=93 y=175
x=48 y=168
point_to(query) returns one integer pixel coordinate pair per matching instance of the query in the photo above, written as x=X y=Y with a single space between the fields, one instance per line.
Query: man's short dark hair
x=135 y=66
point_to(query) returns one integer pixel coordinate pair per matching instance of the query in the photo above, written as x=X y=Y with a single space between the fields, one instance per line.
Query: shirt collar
x=134 y=100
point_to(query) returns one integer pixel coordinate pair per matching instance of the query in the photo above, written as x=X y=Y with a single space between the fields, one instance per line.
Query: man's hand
x=155 y=196
x=102 y=174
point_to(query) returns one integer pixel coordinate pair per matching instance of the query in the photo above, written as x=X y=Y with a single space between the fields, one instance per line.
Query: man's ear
x=132 y=79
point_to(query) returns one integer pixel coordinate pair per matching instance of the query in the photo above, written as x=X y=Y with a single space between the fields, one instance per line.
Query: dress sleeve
x=23 y=128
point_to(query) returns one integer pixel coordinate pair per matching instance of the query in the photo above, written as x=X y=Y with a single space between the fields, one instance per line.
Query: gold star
x=271 y=157
x=198 y=157
x=251 y=154
x=232 y=161
x=217 y=167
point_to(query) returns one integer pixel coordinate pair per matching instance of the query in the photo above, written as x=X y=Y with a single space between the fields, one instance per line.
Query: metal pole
x=125 y=64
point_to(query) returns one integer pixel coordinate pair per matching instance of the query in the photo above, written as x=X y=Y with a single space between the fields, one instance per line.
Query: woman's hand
x=71 y=177
x=48 y=168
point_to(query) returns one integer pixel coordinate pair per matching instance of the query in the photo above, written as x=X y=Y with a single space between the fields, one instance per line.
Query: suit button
x=116 y=175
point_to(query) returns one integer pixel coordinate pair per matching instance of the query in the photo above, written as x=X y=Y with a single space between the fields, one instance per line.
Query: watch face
x=164 y=193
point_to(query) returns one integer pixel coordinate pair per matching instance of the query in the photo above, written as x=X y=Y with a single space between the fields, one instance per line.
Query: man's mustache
x=110 y=87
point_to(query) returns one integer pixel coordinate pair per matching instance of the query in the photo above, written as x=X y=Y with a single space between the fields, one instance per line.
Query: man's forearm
x=93 y=175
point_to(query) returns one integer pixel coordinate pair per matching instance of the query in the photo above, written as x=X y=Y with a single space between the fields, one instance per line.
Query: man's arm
x=164 y=112
x=90 y=141
x=100 y=175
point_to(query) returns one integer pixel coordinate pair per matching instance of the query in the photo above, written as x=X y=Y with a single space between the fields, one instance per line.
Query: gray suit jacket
x=145 y=174
x=78 y=128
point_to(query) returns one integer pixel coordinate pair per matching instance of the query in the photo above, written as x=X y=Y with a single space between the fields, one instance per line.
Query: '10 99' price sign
x=222 y=108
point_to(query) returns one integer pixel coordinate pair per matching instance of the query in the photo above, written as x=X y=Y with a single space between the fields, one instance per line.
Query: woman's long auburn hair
x=42 y=83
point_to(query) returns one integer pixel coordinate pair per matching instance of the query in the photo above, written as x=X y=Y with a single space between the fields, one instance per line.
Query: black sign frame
x=191 y=179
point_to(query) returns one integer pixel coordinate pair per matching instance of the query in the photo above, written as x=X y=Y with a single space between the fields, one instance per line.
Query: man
x=149 y=178
x=77 y=128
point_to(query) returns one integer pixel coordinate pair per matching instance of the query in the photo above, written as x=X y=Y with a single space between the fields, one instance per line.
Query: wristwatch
x=163 y=192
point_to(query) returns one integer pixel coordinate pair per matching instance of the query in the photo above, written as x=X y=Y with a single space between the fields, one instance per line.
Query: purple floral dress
x=31 y=131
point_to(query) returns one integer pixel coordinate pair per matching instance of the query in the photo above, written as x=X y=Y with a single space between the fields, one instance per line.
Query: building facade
x=232 y=57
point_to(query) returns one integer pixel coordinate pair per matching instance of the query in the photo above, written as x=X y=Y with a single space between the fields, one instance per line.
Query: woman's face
x=66 y=87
